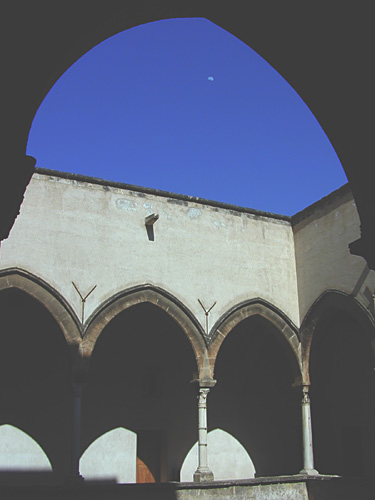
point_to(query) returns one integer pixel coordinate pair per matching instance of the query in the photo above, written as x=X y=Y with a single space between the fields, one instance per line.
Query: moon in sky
x=211 y=78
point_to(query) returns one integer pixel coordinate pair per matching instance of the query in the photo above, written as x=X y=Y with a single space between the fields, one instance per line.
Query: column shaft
x=203 y=473
x=76 y=438
x=307 y=444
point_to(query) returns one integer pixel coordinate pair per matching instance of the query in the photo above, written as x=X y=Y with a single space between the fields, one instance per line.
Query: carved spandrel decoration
x=83 y=300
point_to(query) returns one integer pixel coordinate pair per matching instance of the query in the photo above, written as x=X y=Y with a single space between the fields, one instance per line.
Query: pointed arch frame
x=330 y=300
x=51 y=300
x=159 y=297
x=258 y=307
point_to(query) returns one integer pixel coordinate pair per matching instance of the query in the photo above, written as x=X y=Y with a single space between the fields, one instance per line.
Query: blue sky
x=184 y=106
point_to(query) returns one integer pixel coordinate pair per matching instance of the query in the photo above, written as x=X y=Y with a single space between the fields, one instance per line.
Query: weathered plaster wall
x=94 y=234
x=322 y=234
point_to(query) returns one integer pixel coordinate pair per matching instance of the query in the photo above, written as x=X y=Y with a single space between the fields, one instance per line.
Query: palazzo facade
x=121 y=305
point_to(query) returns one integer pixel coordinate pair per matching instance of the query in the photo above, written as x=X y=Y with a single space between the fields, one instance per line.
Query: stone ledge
x=297 y=487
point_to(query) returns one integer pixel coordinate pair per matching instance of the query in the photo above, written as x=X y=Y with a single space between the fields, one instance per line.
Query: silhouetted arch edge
x=328 y=300
x=146 y=15
x=257 y=307
x=46 y=295
x=160 y=298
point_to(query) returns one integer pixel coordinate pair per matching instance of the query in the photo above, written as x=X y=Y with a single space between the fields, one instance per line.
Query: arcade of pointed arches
x=296 y=345
x=205 y=347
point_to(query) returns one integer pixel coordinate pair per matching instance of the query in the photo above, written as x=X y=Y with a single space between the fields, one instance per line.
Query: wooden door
x=144 y=475
x=148 y=456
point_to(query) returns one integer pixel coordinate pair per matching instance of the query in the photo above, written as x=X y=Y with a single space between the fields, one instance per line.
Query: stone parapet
x=266 y=488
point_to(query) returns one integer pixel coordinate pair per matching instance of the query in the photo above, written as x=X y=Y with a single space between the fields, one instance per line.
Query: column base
x=203 y=476
x=309 y=472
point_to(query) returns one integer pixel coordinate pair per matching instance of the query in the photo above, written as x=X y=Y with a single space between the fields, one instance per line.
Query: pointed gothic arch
x=327 y=301
x=338 y=360
x=258 y=307
x=51 y=300
x=44 y=293
x=160 y=298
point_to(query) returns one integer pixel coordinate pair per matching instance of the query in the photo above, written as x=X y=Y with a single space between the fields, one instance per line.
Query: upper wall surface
x=322 y=234
x=94 y=234
x=75 y=229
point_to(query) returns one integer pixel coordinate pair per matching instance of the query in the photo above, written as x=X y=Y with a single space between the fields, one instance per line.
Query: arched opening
x=254 y=400
x=306 y=65
x=342 y=395
x=35 y=376
x=288 y=336
x=51 y=299
x=205 y=104
x=140 y=373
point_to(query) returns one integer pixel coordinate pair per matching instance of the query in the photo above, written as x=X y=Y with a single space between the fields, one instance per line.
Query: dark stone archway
x=254 y=398
x=162 y=300
x=342 y=303
x=54 y=302
x=342 y=394
x=139 y=379
x=35 y=376
x=284 y=330
x=331 y=72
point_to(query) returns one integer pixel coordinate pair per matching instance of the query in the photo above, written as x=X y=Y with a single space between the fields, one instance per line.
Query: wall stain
x=124 y=204
x=193 y=213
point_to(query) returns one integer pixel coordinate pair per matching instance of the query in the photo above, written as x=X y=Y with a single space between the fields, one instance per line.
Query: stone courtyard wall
x=93 y=234
x=322 y=234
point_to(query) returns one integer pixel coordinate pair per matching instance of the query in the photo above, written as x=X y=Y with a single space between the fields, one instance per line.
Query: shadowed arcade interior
x=330 y=72
x=36 y=394
x=342 y=395
x=140 y=375
x=254 y=400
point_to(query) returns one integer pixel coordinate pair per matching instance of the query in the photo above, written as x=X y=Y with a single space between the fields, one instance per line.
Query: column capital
x=305 y=395
x=299 y=383
x=203 y=393
x=305 y=398
x=204 y=382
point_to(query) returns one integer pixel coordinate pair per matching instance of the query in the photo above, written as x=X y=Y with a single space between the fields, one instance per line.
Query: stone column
x=76 y=438
x=307 y=445
x=203 y=473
